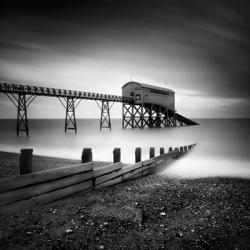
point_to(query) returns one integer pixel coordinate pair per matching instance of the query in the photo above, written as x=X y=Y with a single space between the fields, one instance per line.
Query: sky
x=200 y=49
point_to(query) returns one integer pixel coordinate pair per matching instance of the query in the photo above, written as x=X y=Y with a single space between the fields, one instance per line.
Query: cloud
x=198 y=50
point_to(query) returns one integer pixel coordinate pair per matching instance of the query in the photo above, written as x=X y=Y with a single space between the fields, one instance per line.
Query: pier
x=143 y=114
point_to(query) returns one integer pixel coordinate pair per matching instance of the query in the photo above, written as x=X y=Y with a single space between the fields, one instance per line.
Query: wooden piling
x=176 y=153
x=86 y=155
x=181 y=149
x=25 y=161
x=137 y=155
x=185 y=148
x=162 y=151
x=189 y=147
x=170 y=149
x=117 y=155
x=151 y=152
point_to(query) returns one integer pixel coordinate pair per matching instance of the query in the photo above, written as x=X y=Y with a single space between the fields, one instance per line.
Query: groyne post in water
x=137 y=155
x=162 y=151
x=170 y=149
x=177 y=153
x=151 y=152
x=117 y=155
x=25 y=161
x=86 y=155
x=185 y=149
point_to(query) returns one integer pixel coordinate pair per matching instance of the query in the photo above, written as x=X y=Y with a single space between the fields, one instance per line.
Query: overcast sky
x=200 y=49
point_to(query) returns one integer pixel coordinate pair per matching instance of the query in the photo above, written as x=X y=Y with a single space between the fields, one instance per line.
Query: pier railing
x=23 y=95
x=54 y=92
x=34 y=189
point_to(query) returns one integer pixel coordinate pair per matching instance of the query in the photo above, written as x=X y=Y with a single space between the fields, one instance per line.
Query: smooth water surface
x=223 y=144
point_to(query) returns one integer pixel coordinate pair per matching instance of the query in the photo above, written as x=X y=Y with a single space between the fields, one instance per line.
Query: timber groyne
x=33 y=189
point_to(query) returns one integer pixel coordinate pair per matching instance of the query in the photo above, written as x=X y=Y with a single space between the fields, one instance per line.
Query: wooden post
x=189 y=147
x=170 y=149
x=86 y=155
x=137 y=155
x=25 y=161
x=151 y=152
x=176 y=150
x=117 y=155
x=185 y=149
x=181 y=149
x=162 y=151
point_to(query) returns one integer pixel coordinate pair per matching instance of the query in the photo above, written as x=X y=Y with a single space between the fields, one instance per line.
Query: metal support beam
x=70 y=106
x=105 y=115
x=22 y=120
x=70 y=117
x=22 y=103
x=147 y=115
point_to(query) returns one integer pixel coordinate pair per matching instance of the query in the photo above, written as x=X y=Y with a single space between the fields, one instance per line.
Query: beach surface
x=9 y=163
x=154 y=212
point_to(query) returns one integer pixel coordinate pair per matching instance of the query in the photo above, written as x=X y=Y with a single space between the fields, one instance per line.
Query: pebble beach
x=154 y=212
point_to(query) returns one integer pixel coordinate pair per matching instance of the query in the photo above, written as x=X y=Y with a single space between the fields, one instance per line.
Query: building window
x=138 y=97
x=158 y=92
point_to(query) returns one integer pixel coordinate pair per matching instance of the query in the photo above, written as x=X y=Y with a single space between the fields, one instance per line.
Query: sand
x=153 y=212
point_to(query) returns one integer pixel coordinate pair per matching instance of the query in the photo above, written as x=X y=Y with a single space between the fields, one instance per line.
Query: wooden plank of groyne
x=107 y=177
x=64 y=192
x=159 y=162
x=15 y=182
x=148 y=166
x=147 y=171
x=131 y=167
x=137 y=171
x=45 y=198
x=132 y=177
x=148 y=162
x=45 y=187
x=107 y=169
x=165 y=155
x=110 y=182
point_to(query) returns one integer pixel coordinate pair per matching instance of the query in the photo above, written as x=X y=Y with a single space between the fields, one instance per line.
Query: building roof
x=148 y=86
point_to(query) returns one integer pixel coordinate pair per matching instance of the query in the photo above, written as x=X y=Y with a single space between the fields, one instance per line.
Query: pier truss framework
x=23 y=95
x=148 y=115
x=134 y=115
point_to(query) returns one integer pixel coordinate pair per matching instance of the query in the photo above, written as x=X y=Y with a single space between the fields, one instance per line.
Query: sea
x=223 y=145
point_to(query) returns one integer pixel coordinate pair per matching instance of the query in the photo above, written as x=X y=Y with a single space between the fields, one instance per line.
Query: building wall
x=144 y=95
x=132 y=88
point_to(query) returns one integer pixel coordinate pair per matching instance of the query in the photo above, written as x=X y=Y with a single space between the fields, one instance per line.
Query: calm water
x=223 y=144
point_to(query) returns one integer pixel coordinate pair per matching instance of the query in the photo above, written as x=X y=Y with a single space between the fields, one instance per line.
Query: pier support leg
x=127 y=115
x=22 y=120
x=21 y=103
x=70 y=104
x=132 y=116
x=105 y=115
x=70 y=118
x=147 y=115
